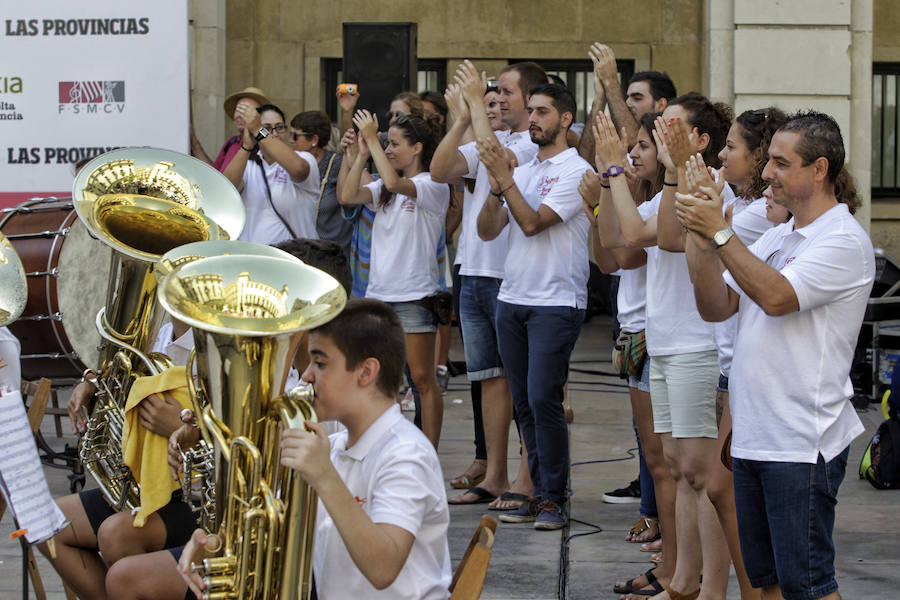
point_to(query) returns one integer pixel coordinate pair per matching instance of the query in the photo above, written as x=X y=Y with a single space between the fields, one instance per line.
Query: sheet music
x=21 y=474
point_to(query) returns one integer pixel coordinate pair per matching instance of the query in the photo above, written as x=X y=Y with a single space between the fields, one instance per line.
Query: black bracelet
x=670 y=184
x=248 y=149
x=604 y=186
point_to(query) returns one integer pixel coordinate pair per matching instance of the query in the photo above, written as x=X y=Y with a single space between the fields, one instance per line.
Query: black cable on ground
x=562 y=580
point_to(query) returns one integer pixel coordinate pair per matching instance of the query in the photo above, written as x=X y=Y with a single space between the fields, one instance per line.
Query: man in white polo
x=800 y=292
x=481 y=267
x=541 y=303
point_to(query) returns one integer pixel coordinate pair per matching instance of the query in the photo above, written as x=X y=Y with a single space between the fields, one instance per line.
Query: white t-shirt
x=405 y=235
x=749 y=223
x=550 y=268
x=177 y=349
x=673 y=324
x=394 y=473
x=294 y=201
x=631 y=299
x=10 y=365
x=790 y=383
x=481 y=258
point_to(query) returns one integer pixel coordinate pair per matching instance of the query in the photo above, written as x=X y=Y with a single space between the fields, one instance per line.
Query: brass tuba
x=249 y=314
x=13 y=286
x=198 y=483
x=142 y=202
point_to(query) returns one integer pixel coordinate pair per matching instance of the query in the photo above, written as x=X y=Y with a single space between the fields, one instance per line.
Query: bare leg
x=720 y=490
x=118 y=537
x=151 y=576
x=662 y=480
x=773 y=592
x=420 y=357
x=442 y=345
x=697 y=455
x=77 y=560
x=496 y=410
x=686 y=578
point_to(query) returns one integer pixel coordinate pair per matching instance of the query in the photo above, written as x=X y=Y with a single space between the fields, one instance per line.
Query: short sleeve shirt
x=405 y=238
x=478 y=257
x=395 y=476
x=550 y=268
x=294 y=202
x=790 y=380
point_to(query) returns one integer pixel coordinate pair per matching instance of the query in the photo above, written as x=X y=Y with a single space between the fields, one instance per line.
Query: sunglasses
x=295 y=135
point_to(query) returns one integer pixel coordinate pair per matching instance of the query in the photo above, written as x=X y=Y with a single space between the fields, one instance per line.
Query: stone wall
x=278 y=45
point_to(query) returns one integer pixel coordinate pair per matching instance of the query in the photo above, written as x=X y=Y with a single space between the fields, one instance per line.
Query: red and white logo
x=91 y=97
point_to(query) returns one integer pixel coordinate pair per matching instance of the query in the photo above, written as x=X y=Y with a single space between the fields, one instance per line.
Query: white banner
x=79 y=79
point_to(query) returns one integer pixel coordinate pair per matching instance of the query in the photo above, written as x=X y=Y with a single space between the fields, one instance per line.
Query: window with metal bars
x=578 y=76
x=885 y=129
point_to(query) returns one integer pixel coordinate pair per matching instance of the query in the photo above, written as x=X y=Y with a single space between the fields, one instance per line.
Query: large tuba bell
x=248 y=315
x=142 y=202
x=13 y=286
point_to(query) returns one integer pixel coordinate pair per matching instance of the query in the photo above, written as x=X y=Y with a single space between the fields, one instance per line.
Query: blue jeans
x=477 y=313
x=785 y=522
x=535 y=345
x=648 y=490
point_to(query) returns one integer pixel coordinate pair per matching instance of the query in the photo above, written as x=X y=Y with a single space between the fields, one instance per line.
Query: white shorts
x=683 y=394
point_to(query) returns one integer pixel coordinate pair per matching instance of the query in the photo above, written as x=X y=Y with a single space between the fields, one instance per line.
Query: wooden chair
x=51 y=405
x=468 y=580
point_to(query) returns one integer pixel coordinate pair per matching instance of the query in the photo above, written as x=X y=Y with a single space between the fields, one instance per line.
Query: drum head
x=84 y=264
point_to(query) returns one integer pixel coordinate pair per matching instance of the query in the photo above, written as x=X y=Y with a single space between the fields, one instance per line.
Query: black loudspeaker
x=381 y=59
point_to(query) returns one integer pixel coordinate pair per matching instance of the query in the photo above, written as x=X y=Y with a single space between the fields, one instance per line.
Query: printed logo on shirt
x=545 y=185
x=359 y=500
x=281 y=175
x=408 y=204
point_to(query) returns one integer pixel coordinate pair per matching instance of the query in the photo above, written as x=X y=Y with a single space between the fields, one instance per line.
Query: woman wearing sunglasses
x=279 y=186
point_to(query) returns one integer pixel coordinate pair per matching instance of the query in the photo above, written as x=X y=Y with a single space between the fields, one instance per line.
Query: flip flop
x=482 y=496
x=510 y=497
x=466 y=482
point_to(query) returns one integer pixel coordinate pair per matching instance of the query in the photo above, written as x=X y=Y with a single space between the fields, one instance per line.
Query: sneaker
x=443 y=377
x=550 y=516
x=527 y=513
x=631 y=494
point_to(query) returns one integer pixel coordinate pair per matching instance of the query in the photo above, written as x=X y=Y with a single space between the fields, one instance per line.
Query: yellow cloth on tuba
x=145 y=452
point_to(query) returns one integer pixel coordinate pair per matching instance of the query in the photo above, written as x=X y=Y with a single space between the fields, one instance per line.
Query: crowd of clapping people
x=742 y=281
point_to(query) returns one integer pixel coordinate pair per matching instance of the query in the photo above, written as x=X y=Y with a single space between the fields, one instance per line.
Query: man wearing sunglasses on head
x=279 y=185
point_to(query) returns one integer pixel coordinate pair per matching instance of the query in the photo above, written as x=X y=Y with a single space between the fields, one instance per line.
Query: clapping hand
x=496 y=160
x=698 y=175
x=609 y=147
x=590 y=190
x=604 y=60
x=456 y=104
x=367 y=124
x=472 y=84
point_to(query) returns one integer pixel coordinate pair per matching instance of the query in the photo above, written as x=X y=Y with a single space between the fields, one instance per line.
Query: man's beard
x=546 y=137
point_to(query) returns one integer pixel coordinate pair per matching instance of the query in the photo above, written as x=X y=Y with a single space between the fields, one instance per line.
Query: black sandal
x=628 y=588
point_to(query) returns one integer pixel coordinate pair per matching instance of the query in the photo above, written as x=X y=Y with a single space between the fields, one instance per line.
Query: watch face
x=722 y=237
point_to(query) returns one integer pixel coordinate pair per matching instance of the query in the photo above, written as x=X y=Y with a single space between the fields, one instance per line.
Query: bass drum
x=67 y=272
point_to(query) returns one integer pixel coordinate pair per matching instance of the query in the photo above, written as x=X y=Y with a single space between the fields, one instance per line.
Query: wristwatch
x=263 y=134
x=721 y=238
x=613 y=171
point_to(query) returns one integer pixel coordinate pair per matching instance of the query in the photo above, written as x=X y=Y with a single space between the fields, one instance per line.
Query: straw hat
x=249 y=92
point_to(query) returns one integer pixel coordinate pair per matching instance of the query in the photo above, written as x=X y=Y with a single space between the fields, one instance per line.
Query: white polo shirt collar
x=376 y=430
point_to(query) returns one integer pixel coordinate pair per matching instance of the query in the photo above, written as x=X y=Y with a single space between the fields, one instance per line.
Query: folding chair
x=468 y=580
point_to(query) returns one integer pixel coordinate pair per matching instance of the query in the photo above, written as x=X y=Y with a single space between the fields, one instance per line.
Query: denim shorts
x=723 y=383
x=643 y=382
x=477 y=315
x=683 y=388
x=785 y=522
x=415 y=318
